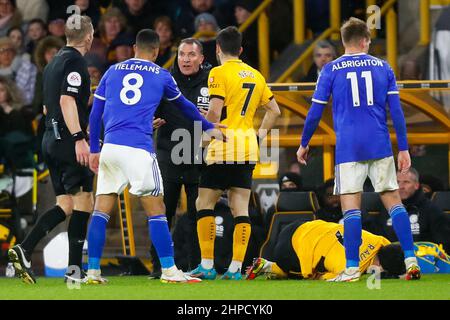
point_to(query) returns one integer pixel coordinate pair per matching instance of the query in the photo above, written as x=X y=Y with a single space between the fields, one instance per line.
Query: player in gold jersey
x=236 y=92
x=315 y=250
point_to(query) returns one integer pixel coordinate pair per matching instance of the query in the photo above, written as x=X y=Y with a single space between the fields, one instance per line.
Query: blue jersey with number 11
x=360 y=85
x=132 y=90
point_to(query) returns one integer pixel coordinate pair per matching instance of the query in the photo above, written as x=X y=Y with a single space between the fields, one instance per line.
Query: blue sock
x=96 y=238
x=402 y=227
x=352 y=237
x=162 y=240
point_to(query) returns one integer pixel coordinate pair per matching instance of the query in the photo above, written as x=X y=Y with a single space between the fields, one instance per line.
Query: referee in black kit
x=65 y=149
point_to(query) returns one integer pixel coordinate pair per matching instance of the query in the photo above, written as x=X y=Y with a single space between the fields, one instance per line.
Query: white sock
x=207 y=263
x=351 y=270
x=235 y=266
x=410 y=261
x=267 y=267
x=94 y=272
x=170 y=270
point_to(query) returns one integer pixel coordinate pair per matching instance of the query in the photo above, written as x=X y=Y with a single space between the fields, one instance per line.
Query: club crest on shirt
x=74 y=79
x=204 y=91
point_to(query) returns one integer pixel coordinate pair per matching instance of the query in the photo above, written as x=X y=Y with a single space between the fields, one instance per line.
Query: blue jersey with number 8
x=132 y=90
x=360 y=85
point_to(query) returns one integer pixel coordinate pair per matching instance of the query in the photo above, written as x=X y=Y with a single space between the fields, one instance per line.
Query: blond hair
x=112 y=12
x=14 y=97
x=77 y=27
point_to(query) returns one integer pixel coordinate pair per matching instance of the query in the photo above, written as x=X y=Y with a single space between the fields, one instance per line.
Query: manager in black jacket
x=428 y=222
x=191 y=76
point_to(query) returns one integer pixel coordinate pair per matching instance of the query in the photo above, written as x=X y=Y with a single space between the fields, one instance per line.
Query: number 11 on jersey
x=367 y=75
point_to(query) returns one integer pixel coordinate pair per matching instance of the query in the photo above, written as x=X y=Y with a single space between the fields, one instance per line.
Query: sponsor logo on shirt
x=70 y=89
x=74 y=79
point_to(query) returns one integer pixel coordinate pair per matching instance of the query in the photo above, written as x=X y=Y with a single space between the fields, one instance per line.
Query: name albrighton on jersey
x=357 y=64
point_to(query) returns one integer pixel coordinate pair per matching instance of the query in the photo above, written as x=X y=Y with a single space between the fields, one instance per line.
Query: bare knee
x=153 y=206
x=83 y=201
x=65 y=202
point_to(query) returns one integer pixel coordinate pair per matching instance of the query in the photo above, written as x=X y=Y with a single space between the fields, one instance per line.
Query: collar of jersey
x=139 y=59
x=234 y=60
x=355 y=54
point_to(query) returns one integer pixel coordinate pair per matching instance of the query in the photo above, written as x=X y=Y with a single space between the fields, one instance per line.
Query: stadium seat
x=297 y=201
x=371 y=203
x=442 y=200
x=290 y=207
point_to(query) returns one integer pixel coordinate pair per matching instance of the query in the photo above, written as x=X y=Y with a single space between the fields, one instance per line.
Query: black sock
x=46 y=223
x=77 y=234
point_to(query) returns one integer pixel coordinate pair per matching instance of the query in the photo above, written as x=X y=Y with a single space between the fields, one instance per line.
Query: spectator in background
x=37 y=29
x=430 y=184
x=13 y=117
x=324 y=52
x=185 y=21
x=164 y=29
x=122 y=45
x=207 y=24
x=96 y=69
x=330 y=206
x=44 y=52
x=16 y=134
x=33 y=9
x=58 y=9
x=56 y=28
x=17 y=36
x=21 y=71
x=243 y=10
x=295 y=168
x=428 y=222
x=140 y=14
x=112 y=23
x=9 y=16
x=89 y=8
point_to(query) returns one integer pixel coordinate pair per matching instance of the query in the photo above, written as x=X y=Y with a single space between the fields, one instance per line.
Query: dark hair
x=147 y=39
x=230 y=41
x=38 y=21
x=354 y=30
x=192 y=41
x=392 y=260
x=10 y=30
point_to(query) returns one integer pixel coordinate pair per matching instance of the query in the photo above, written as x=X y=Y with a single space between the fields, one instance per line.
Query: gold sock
x=241 y=236
x=276 y=270
x=206 y=229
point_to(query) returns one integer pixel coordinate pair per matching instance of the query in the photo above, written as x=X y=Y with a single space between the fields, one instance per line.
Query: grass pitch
x=436 y=287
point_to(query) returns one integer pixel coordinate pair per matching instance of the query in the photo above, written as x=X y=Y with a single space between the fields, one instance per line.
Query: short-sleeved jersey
x=360 y=85
x=243 y=89
x=133 y=90
x=67 y=74
x=322 y=243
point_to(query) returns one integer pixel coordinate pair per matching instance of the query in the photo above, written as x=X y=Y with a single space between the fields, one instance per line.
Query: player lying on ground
x=125 y=101
x=315 y=250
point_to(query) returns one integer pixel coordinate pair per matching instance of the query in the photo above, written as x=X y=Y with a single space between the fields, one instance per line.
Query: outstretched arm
x=191 y=112
x=404 y=159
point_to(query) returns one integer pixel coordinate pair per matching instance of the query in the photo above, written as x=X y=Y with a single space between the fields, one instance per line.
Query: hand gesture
x=302 y=155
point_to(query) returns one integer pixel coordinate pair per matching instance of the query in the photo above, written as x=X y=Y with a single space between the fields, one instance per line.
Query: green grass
x=429 y=287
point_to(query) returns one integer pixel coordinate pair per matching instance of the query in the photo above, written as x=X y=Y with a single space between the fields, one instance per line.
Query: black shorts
x=68 y=176
x=226 y=176
x=285 y=255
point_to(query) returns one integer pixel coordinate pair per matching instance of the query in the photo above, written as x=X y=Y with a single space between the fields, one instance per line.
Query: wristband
x=78 y=136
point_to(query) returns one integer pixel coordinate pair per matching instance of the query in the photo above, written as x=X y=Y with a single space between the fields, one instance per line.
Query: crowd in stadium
x=32 y=32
